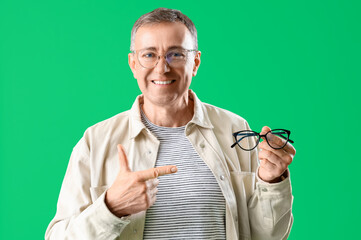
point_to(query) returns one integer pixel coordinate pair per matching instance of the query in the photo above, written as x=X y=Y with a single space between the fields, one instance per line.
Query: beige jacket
x=254 y=209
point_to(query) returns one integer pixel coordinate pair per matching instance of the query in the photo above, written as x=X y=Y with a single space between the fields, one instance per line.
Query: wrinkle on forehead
x=163 y=36
x=168 y=49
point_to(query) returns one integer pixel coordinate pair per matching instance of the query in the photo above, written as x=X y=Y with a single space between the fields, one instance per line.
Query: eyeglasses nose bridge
x=165 y=59
x=264 y=135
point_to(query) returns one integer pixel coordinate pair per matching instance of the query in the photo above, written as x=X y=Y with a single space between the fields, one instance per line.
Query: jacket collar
x=200 y=116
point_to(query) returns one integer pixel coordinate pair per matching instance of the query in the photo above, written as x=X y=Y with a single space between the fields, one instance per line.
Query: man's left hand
x=274 y=162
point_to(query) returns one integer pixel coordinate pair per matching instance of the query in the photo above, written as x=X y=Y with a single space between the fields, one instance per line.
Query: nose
x=162 y=66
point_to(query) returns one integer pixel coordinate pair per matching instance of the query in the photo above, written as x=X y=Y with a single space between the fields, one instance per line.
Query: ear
x=197 y=62
x=132 y=64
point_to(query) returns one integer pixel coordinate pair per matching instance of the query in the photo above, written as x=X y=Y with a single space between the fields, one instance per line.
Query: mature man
x=172 y=147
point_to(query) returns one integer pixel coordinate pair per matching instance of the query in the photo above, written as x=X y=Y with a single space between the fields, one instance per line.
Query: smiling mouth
x=163 y=82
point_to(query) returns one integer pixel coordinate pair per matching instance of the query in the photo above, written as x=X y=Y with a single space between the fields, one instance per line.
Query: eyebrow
x=170 y=48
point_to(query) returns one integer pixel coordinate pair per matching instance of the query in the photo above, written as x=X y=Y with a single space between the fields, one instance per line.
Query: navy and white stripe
x=190 y=204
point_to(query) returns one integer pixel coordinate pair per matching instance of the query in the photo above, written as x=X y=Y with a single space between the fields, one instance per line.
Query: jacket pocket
x=244 y=183
x=243 y=186
x=95 y=192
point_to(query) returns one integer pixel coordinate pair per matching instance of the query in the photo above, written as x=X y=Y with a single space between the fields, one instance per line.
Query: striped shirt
x=190 y=204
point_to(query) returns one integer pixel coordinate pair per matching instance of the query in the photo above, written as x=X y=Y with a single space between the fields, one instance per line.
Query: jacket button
x=135 y=231
x=221 y=177
x=264 y=190
x=202 y=145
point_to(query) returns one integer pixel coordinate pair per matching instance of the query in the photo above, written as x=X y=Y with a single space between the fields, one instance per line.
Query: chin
x=166 y=99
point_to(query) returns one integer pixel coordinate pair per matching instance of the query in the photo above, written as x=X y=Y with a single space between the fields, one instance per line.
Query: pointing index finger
x=156 y=172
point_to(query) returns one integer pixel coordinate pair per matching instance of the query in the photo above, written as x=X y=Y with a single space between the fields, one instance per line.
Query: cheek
x=186 y=78
x=141 y=75
x=141 y=80
x=188 y=73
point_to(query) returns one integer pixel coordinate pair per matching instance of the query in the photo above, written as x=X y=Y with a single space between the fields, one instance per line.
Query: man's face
x=175 y=81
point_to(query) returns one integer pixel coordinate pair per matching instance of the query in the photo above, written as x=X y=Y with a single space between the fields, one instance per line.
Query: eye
x=148 y=55
x=176 y=55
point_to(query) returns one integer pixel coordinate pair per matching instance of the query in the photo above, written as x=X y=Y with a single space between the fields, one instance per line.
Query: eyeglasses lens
x=174 y=58
x=271 y=138
x=247 y=140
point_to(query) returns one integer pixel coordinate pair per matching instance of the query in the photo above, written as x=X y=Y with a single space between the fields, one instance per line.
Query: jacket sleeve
x=270 y=208
x=77 y=216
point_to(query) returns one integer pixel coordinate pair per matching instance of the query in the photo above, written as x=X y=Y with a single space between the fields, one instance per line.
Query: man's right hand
x=133 y=192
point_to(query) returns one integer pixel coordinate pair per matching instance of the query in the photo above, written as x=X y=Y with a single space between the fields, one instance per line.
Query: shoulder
x=219 y=116
x=107 y=126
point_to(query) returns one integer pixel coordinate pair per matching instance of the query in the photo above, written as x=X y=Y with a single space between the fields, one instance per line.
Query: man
x=172 y=147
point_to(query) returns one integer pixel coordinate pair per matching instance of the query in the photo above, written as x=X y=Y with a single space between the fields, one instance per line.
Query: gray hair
x=161 y=15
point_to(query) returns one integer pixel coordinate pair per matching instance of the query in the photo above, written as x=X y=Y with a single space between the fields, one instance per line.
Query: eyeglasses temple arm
x=246 y=135
x=280 y=134
x=234 y=144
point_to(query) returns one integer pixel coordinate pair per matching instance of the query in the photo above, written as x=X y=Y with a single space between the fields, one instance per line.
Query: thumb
x=265 y=130
x=123 y=160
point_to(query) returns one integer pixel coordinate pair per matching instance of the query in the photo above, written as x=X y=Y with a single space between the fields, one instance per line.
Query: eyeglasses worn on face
x=248 y=140
x=149 y=58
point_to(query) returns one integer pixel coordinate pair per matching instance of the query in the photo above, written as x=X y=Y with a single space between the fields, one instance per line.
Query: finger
x=284 y=156
x=290 y=149
x=274 y=159
x=152 y=183
x=151 y=200
x=164 y=170
x=123 y=160
x=272 y=138
x=281 y=153
x=268 y=171
x=265 y=130
x=272 y=171
x=276 y=141
x=267 y=165
x=155 y=172
x=152 y=193
x=151 y=197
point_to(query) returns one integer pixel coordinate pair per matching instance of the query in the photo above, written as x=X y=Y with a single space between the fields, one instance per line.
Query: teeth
x=163 y=82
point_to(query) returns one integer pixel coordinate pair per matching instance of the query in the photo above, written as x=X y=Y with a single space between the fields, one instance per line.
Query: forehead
x=162 y=36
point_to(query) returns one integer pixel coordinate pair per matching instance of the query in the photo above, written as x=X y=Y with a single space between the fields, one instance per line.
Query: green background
x=285 y=64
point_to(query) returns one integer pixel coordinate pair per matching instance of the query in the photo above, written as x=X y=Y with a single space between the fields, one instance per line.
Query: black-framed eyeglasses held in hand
x=248 y=139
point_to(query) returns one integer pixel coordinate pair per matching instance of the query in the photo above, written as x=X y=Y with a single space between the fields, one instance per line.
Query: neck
x=171 y=115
